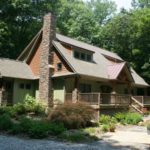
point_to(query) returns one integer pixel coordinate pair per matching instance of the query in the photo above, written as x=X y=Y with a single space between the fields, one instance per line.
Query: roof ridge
x=2 y=58
x=87 y=44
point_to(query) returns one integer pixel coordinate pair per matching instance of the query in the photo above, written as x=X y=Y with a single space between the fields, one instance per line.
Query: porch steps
x=136 y=109
x=138 y=106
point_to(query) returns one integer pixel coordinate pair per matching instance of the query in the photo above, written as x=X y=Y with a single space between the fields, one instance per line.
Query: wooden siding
x=57 y=59
x=35 y=61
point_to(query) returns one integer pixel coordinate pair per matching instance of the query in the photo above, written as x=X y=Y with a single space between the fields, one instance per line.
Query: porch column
x=113 y=97
x=75 y=91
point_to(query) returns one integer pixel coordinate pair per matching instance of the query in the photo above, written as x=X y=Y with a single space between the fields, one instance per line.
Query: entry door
x=8 y=84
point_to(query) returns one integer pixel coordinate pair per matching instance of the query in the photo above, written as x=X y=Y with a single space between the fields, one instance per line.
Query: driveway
x=125 y=138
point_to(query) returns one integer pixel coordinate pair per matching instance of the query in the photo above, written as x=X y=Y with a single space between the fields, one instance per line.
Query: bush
x=133 y=118
x=112 y=127
x=25 y=124
x=76 y=136
x=128 y=118
x=120 y=117
x=72 y=115
x=56 y=129
x=39 y=129
x=105 y=119
x=16 y=129
x=105 y=128
x=5 y=122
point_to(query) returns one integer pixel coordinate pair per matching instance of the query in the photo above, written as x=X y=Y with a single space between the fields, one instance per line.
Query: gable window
x=85 y=88
x=82 y=56
x=59 y=66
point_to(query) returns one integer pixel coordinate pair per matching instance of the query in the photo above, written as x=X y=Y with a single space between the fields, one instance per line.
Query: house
x=56 y=68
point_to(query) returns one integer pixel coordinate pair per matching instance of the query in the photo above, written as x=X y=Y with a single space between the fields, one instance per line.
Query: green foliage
x=128 y=118
x=72 y=115
x=25 y=124
x=31 y=105
x=38 y=129
x=105 y=127
x=5 y=122
x=106 y=119
x=133 y=118
x=73 y=137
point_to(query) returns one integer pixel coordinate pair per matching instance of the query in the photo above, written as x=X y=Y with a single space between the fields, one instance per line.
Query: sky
x=122 y=3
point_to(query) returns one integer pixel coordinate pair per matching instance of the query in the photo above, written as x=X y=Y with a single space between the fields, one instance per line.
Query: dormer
x=83 y=55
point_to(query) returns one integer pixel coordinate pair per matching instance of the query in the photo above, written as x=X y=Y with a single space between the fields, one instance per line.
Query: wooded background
x=96 y=22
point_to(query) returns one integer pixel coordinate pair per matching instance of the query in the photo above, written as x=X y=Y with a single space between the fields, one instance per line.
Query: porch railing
x=144 y=100
x=91 y=98
x=100 y=98
x=114 y=99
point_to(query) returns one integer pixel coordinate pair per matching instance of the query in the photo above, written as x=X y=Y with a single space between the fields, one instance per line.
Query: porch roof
x=15 y=69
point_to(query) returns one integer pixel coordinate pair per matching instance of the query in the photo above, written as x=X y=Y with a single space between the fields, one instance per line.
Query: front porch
x=102 y=99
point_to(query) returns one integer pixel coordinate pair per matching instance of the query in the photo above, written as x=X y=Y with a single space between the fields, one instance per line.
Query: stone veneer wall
x=45 y=81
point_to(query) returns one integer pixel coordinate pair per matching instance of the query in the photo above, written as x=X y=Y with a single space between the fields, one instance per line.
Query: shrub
x=72 y=115
x=7 y=110
x=129 y=118
x=19 y=108
x=76 y=136
x=31 y=105
x=16 y=129
x=112 y=127
x=5 y=122
x=25 y=124
x=39 y=129
x=56 y=129
x=133 y=118
x=120 y=117
x=105 y=119
x=105 y=127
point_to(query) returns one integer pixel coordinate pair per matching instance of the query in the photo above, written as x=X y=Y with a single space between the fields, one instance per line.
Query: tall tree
x=128 y=35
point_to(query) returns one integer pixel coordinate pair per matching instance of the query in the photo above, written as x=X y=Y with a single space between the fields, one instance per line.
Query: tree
x=141 y=3
x=128 y=35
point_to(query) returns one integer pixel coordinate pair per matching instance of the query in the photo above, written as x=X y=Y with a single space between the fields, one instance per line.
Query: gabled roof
x=15 y=69
x=94 y=69
x=137 y=79
x=114 y=70
x=86 y=46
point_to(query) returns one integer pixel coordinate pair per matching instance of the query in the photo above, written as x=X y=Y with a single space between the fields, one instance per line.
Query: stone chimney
x=45 y=81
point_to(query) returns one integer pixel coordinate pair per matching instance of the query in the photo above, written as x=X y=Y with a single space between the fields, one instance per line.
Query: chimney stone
x=45 y=81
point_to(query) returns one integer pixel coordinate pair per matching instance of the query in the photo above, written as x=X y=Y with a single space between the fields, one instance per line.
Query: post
x=75 y=91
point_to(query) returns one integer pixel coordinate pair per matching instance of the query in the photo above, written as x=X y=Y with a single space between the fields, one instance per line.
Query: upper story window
x=59 y=66
x=83 y=56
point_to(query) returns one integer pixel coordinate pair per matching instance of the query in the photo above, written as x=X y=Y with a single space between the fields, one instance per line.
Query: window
x=89 y=57
x=59 y=66
x=28 y=86
x=85 y=88
x=83 y=56
x=76 y=54
x=21 y=85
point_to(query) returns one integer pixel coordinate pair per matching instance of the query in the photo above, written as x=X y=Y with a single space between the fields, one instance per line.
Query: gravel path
x=14 y=143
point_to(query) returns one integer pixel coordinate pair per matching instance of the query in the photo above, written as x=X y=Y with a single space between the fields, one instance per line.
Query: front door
x=8 y=92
